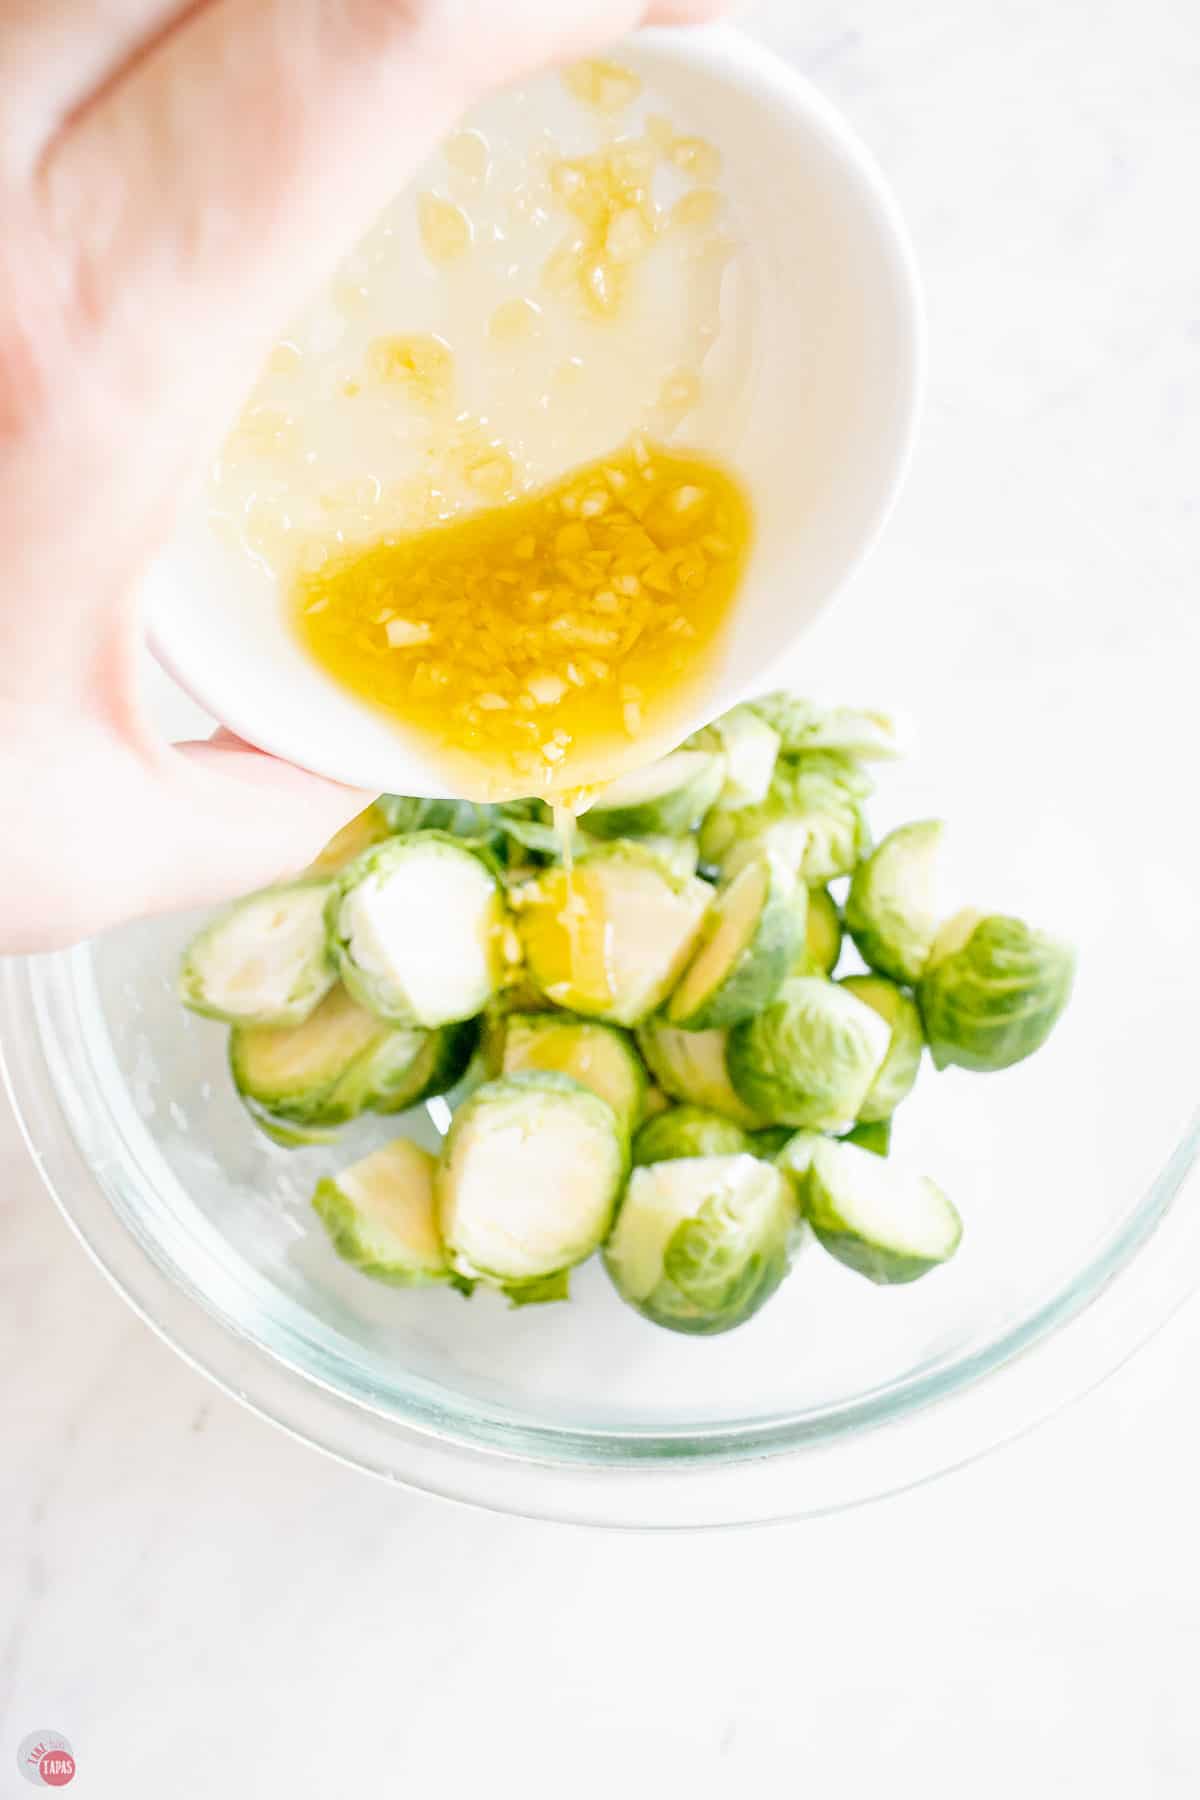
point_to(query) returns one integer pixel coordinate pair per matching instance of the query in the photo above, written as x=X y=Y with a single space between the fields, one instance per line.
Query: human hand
x=172 y=176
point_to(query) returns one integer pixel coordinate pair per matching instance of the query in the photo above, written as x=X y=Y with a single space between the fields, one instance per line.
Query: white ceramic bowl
x=823 y=443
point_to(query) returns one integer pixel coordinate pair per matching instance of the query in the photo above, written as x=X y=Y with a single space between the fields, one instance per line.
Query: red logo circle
x=57 y=1767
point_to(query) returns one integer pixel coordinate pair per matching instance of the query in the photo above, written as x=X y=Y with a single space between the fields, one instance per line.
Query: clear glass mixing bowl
x=1045 y=729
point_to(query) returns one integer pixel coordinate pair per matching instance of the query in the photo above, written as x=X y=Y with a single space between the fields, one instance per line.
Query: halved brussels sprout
x=702 y=1242
x=992 y=992
x=530 y=1174
x=342 y=1061
x=812 y=820
x=810 y=1058
x=416 y=927
x=611 y=939
x=692 y=1066
x=883 y=1223
x=747 y=952
x=263 y=961
x=891 y=908
x=821 y=945
x=381 y=1217
x=689 y=1131
x=599 y=1057
x=805 y=725
x=668 y=798
x=901 y=1066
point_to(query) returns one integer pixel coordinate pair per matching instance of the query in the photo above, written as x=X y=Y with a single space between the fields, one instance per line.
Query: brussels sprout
x=406 y=815
x=416 y=928
x=530 y=1174
x=810 y=1058
x=804 y=725
x=263 y=961
x=542 y=1292
x=655 y=1102
x=992 y=991
x=821 y=945
x=331 y=1068
x=749 y=946
x=901 y=1065
x=701 y=1243
x=437 y=1069
x=367 y=828
x=890 y=911
x=692 y=1066
x=751 y=748
x=875 y=1137
x=668 y=798
x=812 y=820
x=883 y=1223
x=688 y=1131
x=381 y=1217
x=611 y=939
x=599 y=1057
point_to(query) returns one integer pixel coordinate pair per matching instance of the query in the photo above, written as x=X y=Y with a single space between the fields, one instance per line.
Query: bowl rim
x=725 y=52
x=691 y=1479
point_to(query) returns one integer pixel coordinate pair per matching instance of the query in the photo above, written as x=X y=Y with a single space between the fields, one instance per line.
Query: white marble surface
x=203 y=1606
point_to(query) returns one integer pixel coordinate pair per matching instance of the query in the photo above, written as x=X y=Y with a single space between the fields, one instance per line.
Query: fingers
x=65 y=50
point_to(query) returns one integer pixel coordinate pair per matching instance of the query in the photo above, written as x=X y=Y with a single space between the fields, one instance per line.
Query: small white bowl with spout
x=822 y=443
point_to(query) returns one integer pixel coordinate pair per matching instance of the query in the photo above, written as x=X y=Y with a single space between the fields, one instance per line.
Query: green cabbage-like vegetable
x=992 y=991
x=812 y=820
x=530 y=1174
x=898 y=1073
x=381 y=1218
x=688 y=1131
x=810 y=1058
x=262 y=961
x=701 y=1243
x=804 y=725
x=668 y=798
x=415 y=926
x=880 y=1221
x=748 y=948
x=599 y=1057
x=692 y=1066
x=891 y=908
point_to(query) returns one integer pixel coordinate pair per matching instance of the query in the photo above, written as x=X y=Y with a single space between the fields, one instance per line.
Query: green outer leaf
x=542 y=1292
x=313 y=983
x=382 y=997
x=890 y=908
x=693 y=1066
x=808 y=1059
x=517 y=1097
x=769 y=1141
x=670 y=814
x=758 y=963
x=902 y=1064
x=830 y=1213
x=875 y=1137
x=995 y=999
x=686 y=1131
